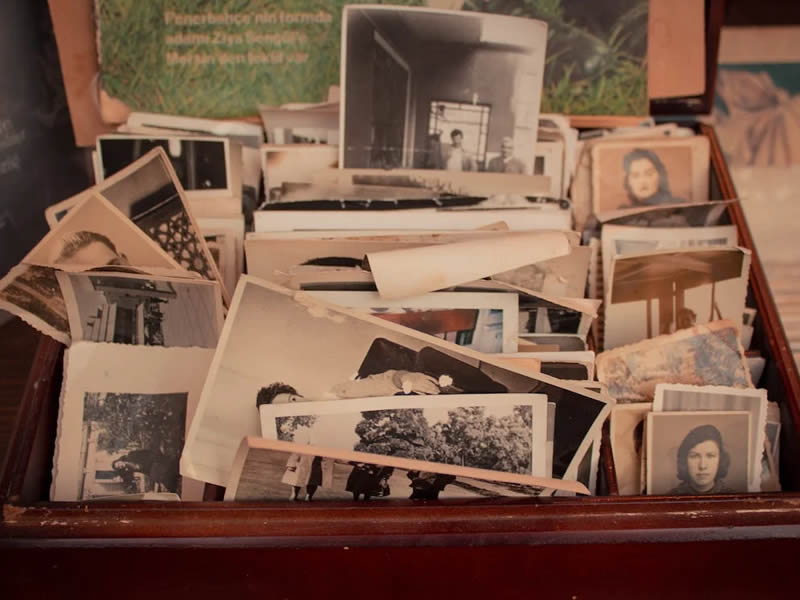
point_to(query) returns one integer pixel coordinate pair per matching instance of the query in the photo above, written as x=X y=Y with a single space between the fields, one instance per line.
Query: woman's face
x=643 y=178
x=703 y=463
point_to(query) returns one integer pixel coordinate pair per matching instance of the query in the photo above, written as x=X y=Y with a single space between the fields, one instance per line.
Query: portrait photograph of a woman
x=649 y=173
x=697 y=453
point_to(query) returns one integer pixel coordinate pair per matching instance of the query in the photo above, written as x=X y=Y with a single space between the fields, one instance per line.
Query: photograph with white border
x=272 y=334
x=660 y=292
x=482 y=321
x=123 y=416
x=696 y=453
x=440 y=90
x=677 y=398
x=497 y=432
x=272 y=470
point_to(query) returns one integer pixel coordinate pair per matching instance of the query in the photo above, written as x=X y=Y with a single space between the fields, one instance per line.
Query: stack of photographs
x=405 y=289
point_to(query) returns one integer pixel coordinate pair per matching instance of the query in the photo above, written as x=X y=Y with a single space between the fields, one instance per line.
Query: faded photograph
x=627 y=436
x=445 y=90
x=270 y=475
x=142 y=310
x=644 y=173
x=494 y=433
x=288 y=165
x=563 y=276
x=661 y=292
x=131 y=443
x=696 y=453
x=703 y=355
x=350 y=357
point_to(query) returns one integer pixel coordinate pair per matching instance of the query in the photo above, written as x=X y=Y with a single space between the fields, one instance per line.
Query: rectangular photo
x=698 y=453
x=225 y=239
x=202 y=164
x=545 y=342
x=32 y=293
x=142 y=309
x=416 y=90
x=497 y=432
x=351 y=355
x=649 y=172
x=486 y=322
x=627 y=425
x=703 y=355
x=578 y=366
x=660 y=292
x=271 y=470
x=122 y=423
x=562 y=276
x=621 y=240
x=678 y=398
x=149 y=193
x=301 y=123
x=287 y=164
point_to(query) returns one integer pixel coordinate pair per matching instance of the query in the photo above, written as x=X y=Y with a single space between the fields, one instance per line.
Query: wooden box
x=740 y=545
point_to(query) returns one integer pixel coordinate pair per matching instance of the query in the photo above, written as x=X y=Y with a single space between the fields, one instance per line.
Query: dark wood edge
x=768 y=312
x=38 y=391
x=607 y=461
x=660 y=517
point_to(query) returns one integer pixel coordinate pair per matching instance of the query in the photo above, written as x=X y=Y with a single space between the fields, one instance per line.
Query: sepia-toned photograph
x=142 y=309
x=562 y=276
x=679 y=398
x=434 y=89
x=498 y=432
x=149 y=194
x=621 y=240
x=640 y=173
x=627 y=425
x=545 y=342
x=486 y=322
x=658 y=293
x=306 y=124
x=131 y=443
x=122 y=423
x=32 y=293
x=703 y=355
x=200 y=163
x=271 y=470
x=352 y=355
x=291 y=164
x=695 y=453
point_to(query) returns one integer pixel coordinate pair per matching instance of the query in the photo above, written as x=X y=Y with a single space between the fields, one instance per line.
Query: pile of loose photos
x=431 y=266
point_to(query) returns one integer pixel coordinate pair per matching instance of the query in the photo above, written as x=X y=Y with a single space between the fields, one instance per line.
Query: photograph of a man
x=506 y=162
x=454 y=156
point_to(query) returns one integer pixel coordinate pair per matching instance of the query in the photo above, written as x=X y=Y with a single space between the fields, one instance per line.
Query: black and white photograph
x=696 y=453
x=549 y=161
x=142 y=309
x=621 y=240
x=148 y=193
x=486 y=322
x=677 y=397
x=96 y=234
x=200 y=163
x=546 y=342
x=316 y=124
x=576 y=365
x=562 y=276
x=538 y=315
x=122 y=423
x=286 y=165
x=131 y=443
x=32 y=294
x=497 y=432
x=435 y=89
x=627 y=427
x=641 y=173
x=327 y=352
x=703 y=355
x=660 y=292
x=272 y=470
x=225 y=239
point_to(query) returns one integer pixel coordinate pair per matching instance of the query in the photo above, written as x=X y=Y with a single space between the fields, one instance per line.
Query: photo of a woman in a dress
x=646 y=179
x=702 y=463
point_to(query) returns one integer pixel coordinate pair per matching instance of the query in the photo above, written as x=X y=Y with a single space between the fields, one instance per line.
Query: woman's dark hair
x=267 y=394
x=456 y=132
x=698 y=435
x=663 y=179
